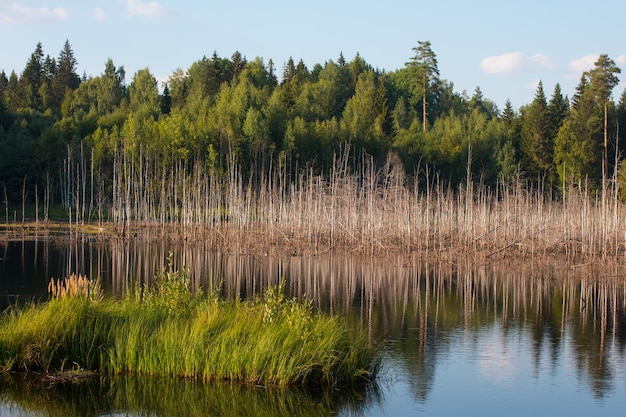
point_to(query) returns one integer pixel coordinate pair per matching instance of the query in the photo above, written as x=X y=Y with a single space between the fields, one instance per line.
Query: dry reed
x=364 y=208
x=73 y=286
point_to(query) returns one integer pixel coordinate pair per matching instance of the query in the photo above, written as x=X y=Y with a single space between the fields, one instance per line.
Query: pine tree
x=424 y=75
x=602 y=80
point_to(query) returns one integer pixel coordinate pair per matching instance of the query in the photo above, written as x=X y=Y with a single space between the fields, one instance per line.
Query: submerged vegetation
x=168 y=330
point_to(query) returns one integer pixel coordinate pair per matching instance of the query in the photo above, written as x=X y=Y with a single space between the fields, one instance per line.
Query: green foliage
x=537 y=144
x=574 y=156
x=171 y=331
x=172 y=293
x=224 y=111
x=277 y=307
x=172 y=397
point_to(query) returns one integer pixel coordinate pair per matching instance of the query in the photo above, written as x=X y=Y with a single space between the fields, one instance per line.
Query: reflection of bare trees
x=415 y=305
x=419 y=305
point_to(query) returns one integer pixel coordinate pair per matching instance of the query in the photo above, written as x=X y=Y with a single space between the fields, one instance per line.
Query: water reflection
x=509 y=326
x=167 y=397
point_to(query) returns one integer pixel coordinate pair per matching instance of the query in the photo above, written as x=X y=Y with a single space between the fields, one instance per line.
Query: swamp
x=515 y=336
x=506 y=299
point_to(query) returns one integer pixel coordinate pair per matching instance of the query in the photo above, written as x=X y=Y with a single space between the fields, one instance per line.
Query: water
x=455 y=338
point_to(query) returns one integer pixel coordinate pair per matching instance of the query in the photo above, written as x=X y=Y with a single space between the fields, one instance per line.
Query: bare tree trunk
x=24 y=199
x=6 y=205
x=605 y=162
x=36 y=205
x=46 y=203
x=424 y=104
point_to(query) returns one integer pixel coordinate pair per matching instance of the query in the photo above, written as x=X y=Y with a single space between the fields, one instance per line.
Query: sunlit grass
x=169 y=330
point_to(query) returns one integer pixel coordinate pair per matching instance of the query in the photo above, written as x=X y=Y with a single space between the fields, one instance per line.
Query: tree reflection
x=414 y=308
x=171 y=397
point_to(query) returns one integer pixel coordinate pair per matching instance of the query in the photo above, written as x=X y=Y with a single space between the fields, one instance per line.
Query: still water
x=456 y=338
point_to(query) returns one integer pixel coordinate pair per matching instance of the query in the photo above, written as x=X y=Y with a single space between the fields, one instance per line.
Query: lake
x=511 y=338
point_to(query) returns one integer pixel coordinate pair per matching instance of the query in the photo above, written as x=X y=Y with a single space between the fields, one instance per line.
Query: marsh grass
x=168 y=330
x=370 y=208
x=74 y=286
x=359 y=206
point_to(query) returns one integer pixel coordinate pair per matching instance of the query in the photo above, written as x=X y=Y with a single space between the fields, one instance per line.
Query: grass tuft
x=74 y=286
x=169 y=330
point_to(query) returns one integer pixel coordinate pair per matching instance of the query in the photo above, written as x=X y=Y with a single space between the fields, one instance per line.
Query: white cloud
x=620 y=60
x=500 y=64
x=579 y=65
x=98 y=13
x=17 y=13
x=150 y=10
x=541 y=61
x=514 y=62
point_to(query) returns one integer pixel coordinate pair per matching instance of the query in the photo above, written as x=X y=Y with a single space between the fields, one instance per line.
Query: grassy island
x=171 y=330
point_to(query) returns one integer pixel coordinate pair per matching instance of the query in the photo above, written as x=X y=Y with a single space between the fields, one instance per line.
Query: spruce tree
x=30 y=80
x=537 y=145
x=65 y=77
x=558 y=110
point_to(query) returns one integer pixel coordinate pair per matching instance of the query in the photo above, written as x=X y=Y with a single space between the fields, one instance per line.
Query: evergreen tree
x=448 y=101
x=508 y=114
x=558 y=110
x=401 y=116
x=216 y=75
x=289 y=71
x=3 y=110
x=578 y=145
x=4 y=83
x=621 y=122
x=537 y=145
x=602 y=80
x=31 y=79
x=478 y=102
x=11 y=93
x=302 y=72
x=341 y=61
x=49 y=69
x=356 y=67
x=62 y=76
x=424 y=76
x=237 y=64
x=166 y=100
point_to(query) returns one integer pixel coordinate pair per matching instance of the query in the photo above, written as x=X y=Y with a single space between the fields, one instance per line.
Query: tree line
x=57 y=126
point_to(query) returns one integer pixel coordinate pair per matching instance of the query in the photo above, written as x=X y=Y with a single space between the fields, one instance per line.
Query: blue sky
x=503 y=47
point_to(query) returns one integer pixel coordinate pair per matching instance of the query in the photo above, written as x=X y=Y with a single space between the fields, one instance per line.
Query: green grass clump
x=169 y=330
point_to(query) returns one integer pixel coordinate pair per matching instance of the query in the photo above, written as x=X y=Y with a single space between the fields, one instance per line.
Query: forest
x=66 y=137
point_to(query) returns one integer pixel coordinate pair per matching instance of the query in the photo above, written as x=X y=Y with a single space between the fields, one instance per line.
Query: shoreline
x=259 y=241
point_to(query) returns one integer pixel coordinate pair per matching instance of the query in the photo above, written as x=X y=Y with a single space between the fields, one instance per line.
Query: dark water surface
x=455 y=338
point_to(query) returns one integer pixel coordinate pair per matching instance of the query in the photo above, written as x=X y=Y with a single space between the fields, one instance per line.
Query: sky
x=504 y=48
